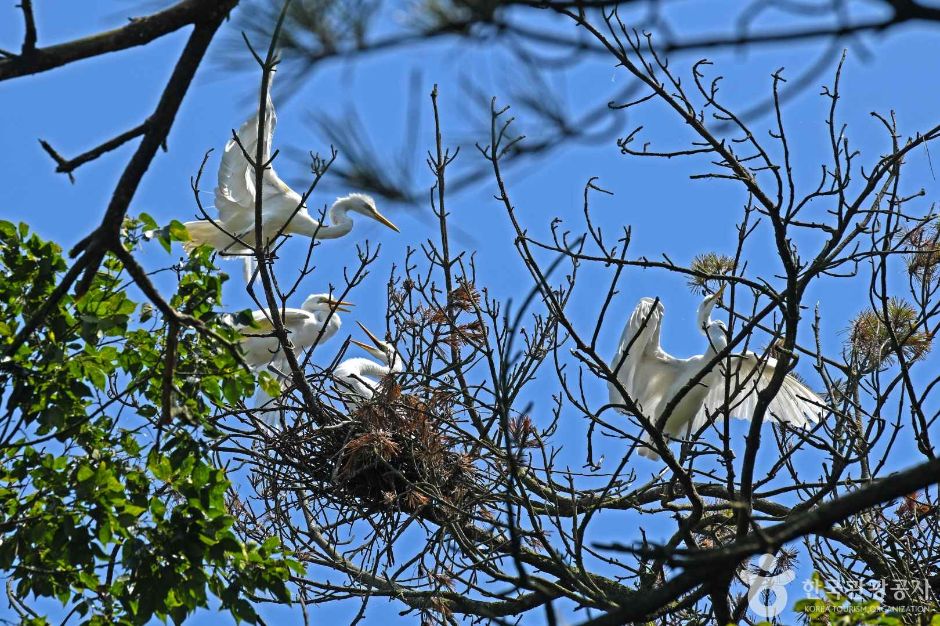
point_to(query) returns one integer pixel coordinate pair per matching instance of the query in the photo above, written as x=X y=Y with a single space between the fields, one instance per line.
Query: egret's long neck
x=303 y=224
x=704 y=318
x=340 y=223
x=333 y=324
x=717 y=340
x=373 y=369
x=362 y=375
x=398 y=364
x=352 y=375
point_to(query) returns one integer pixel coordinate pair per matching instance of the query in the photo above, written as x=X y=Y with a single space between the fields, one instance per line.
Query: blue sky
x=76 y=107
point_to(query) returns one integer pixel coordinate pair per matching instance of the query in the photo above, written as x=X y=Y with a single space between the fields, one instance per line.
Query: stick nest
x=398 y=452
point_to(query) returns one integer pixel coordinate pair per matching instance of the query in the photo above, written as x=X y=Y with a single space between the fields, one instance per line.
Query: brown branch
x=107 y=235
x=139 y=31
x=208 y=16
x=29 y=38
x=702 y=566
x=904 y=12
x=827 y=515
x=67 y=166
x=169 y=366
x=260 y=250
x=143 y=282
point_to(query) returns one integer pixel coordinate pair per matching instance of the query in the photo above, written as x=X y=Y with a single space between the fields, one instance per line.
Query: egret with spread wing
x=318 y=317
x=652 y=377
x=283 y=209
x=359 y=378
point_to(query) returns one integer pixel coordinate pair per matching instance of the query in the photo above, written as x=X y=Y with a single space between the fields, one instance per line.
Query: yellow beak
x=341 y=305
x=720 y=290
x=372 y=338
x=381 y=219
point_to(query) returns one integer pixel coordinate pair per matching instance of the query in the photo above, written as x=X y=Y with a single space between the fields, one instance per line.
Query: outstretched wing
x=235 y=187
x=640 y=364
x=794 y=404
x=235 y=192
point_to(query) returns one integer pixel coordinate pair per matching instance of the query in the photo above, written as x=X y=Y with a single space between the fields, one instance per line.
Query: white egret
x=319 y=312
x=283 y=209
x=652 y=377
x=359 y=378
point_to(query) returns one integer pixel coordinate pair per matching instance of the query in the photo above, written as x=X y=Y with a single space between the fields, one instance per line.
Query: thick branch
x=158 y=128
x=107 y=235
x=29 y=37
x=139 y=31
x=703 y=566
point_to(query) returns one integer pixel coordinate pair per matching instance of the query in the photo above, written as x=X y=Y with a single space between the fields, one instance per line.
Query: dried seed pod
x=465 y=296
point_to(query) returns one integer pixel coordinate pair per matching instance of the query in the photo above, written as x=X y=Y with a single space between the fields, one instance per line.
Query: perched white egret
x=652 y=377
x=283 y=209
x=359 y=378
x=318 y=312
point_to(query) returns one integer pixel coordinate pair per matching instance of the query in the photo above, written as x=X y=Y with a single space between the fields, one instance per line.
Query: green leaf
x=95 y=498
x=270 y=385
x=178 y=231
x=148 y=223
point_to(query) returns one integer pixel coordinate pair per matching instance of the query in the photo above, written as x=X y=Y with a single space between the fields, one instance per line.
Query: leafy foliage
x=105 y=504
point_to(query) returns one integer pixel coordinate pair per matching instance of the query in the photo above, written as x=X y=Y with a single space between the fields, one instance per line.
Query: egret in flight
x=283 y=209
x=359 y=378
x=318 y=314
x=652 y=377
